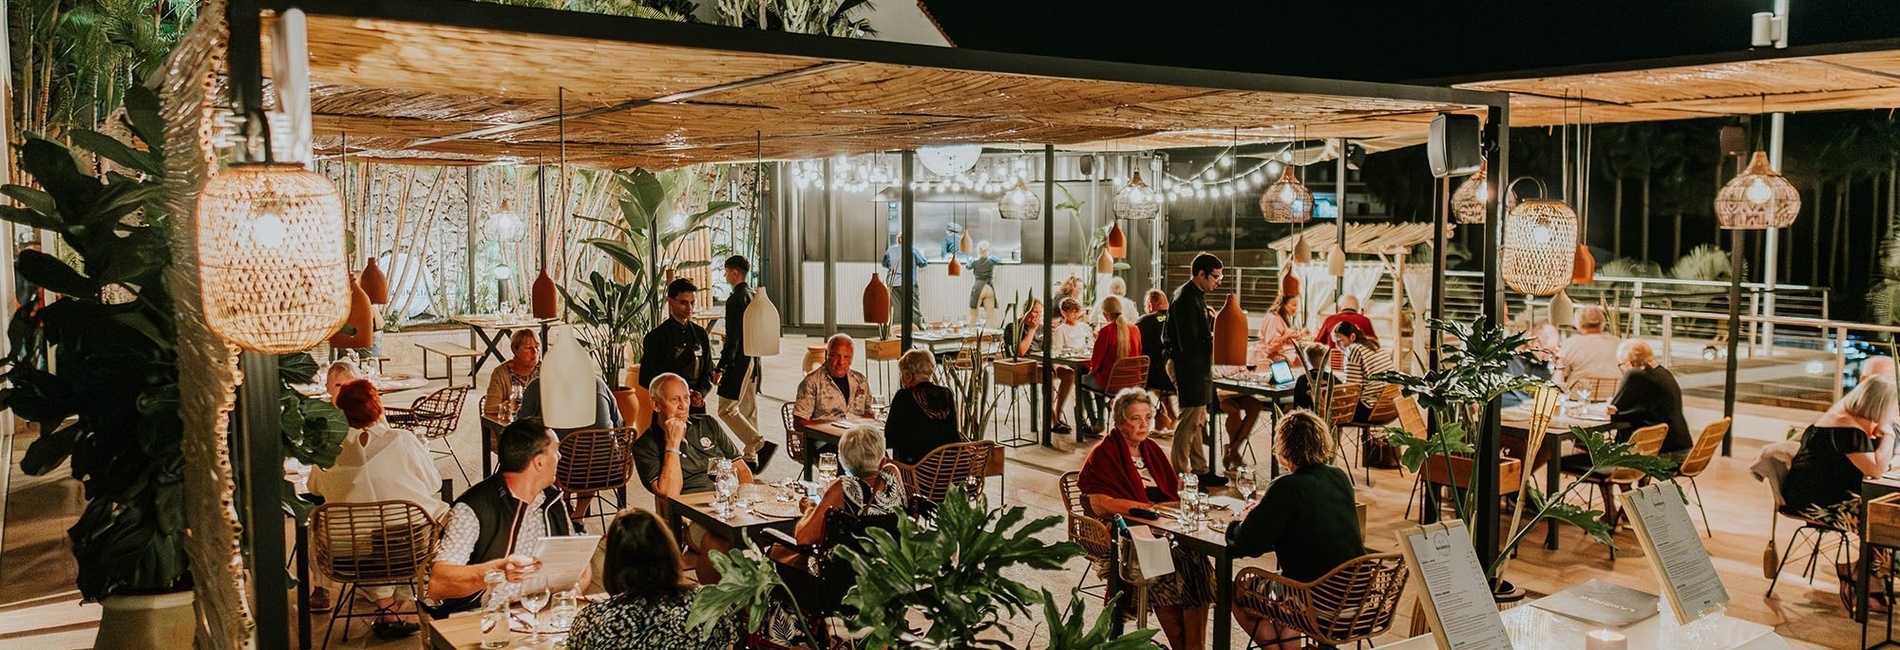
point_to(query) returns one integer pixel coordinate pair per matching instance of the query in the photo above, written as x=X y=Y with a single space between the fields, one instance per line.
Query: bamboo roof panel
x=1361 y=238
x=876 y=88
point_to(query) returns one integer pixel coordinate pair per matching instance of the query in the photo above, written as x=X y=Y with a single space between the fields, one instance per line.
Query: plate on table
x=778 y=509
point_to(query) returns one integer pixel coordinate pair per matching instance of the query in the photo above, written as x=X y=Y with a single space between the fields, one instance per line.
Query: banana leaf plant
x=97 y=370
x=646 y=235
x=610 y=310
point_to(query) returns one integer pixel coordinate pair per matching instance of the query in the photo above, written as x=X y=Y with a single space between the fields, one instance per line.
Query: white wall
x=944 y=297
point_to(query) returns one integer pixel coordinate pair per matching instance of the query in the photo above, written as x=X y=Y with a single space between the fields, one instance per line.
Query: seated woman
x=1278 y=340
x=1648 y=395
x=923 y=415
x=869 y=487
x=1026 y=333
x=1363 y=361
x=1127 y=472
x=378 y=463
x=1306 y=517
x=1069 y=334
x=1117 y=340
x=340 y=372
x=650 y=596
x=510 y=379
x=1850 y=442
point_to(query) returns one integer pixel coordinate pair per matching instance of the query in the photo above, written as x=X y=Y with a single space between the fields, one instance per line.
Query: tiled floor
x=1808 y=615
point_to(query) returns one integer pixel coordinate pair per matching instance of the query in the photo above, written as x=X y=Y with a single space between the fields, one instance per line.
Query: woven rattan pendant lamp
x=1136 y=201
x=1759 y=198
x=1472 y=200
x=1287 y=200
x=1540 y=245
x=1019 y=203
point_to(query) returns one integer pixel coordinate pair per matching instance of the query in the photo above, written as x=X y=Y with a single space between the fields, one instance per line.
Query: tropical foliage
x=97 y=370
x=643 y=247
x=74 y=60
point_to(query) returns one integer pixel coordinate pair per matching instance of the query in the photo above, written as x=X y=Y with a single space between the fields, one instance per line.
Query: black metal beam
x=1489 y=437
x=1048 y=284
x=258 y=441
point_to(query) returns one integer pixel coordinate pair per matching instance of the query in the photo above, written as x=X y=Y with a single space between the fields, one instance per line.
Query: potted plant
x=885 y=347
x=1472 y=372
x=643 y=242
x=97 y=372
x=928 y=587
x=608 y=310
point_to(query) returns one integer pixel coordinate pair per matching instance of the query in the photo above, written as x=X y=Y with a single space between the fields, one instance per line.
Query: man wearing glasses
x=1188 y=336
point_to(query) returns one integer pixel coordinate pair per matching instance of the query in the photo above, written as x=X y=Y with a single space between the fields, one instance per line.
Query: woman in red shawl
x=1126 y=471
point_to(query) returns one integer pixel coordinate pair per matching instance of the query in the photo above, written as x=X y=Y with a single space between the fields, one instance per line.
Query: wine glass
x=827 y=468
x=1244 y=481
x=534 y=596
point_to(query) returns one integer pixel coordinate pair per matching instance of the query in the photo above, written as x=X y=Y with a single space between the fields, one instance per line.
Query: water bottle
x=495 y=632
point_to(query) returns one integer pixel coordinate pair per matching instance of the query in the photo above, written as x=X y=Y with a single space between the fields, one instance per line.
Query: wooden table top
x=464 y=632
x=698 y=508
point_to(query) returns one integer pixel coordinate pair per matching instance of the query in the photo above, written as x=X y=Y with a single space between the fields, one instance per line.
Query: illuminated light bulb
x=1542 y=234
x=1759 y=192
x=503 y=272
x=268 y=229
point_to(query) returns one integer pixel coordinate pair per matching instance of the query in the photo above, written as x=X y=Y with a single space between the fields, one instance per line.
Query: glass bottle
x=495 y=632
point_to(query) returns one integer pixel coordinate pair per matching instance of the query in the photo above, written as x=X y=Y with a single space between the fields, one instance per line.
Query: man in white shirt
x=1591 y=354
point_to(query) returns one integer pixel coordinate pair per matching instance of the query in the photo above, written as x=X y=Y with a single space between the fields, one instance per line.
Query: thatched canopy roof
x=1791 y=82
x=1361 y=238
x=456 y=82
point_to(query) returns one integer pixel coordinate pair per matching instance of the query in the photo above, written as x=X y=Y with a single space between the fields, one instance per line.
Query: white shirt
x=1076 y=336
x=392 y=466
x=1589 y=355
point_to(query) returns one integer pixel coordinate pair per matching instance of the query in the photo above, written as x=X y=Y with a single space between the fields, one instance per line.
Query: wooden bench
x=450 y=352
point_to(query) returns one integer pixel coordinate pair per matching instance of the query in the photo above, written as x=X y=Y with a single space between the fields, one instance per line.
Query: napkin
x=1151 y=553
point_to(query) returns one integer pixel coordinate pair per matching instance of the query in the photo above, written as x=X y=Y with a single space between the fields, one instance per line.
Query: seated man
x=518 y=503
x=675 y=454
x=833 y=391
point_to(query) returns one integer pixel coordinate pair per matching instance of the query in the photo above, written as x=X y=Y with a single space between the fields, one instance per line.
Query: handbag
x=1378 y=453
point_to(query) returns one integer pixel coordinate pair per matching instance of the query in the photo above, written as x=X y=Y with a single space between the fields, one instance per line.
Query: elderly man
x=1349 y=313
x=833 y=391
x=676 y=454
x=1188 y=336
x=679 y=346
x=1591 y=354
x=496 y=523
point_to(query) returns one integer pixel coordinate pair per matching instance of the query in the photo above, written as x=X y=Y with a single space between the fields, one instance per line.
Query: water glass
x=534 y=597
x=1244 y=481
x=725 y=486
x=566 y=606
x=1190 y=493
x=827 y=468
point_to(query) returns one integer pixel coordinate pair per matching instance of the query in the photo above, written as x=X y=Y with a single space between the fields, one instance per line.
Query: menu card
x=1601 y=604
x=1674 y=547
x=1451 y=586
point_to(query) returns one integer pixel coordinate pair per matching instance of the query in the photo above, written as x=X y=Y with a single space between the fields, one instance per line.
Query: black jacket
x=679 y=348
x=1150 y=326
x=500 y=513
x=1648 y=397
x=1188 y=336
x=733 y=362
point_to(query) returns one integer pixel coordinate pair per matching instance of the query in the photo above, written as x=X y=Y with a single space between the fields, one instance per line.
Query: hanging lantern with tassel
x=877 y=301
x=1104 y=263
x=1230 y=333
x=271 y=258
x=567 y=382
x=1759 y=198
x=1287 y=200
x=761 y=326
x=375 y=283
x=1117 y=241
x=359 y=329
x=1540 y=246
x=544 y=295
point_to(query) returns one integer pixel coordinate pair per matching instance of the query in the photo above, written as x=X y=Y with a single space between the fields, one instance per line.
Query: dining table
x=384 y=383
x=1208 y=538
x=1259 y=385
x=829 y=433
x=732 y=524
x=464 y=632
x=1591 y=418
x=488 y=333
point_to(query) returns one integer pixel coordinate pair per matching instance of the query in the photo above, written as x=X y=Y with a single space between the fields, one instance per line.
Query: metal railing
x=1834 y=334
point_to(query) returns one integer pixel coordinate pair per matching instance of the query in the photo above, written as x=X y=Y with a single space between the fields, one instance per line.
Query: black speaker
x=1734 y=140
x=1454 y=148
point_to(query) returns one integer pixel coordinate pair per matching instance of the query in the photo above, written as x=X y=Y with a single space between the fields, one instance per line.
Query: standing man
x=1189 y=336
x=679 y=345
x=1150 y=326
x=894 y=266
x=738 y=374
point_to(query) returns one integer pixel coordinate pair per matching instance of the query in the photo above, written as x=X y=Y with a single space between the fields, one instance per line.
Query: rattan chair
x=1706 y=444
x=1384 y=409
x=1084 y=529
x=592 y=461
x=434 y=416
x=1128 y=372
x=1353 y=602
x=794 y=443
x=1646 y=441
x=1342 y=402
x=380 y=544
x=927 y=482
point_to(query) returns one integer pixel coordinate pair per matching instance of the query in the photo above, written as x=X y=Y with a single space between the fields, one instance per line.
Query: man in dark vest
x=1189 y=336
x=679 y=346
x=496 y=523
x=738 y=374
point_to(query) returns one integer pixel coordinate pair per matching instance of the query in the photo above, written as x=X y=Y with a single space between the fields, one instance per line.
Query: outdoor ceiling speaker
x=1734 y=140
x=1454 y=148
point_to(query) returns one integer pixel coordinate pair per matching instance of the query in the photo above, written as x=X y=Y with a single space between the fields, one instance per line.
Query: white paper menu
x=1457 y=598
x=1674 y=548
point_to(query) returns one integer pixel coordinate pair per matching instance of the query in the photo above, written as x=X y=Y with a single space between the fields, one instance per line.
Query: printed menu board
x=1451 y=586
x=1674 y=548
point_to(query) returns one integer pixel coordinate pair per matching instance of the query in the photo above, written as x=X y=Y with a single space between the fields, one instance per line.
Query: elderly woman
x=1648 y=396
x=1306 y=517
x=1850 y=442
x=1127 y=473
x=340 y=372
x=378 y=463
x=923 y=415
x=870 y=486
x=510 y=379
x=650 y=595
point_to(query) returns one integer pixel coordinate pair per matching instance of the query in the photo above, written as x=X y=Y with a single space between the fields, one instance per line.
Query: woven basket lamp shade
x=374 y=282
x=543 y=297
x=877 y=301
x=359 y=329
x=1472 y=200
x=1540 y=247
x=1136 y=200
x=1759 y=198
x=1230 y=333
x=1117 y=242
x=1019 y=203
x=1287 y=200
x=270 y=251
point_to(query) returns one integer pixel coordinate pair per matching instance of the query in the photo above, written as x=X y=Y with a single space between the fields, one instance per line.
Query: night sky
x=1393 y=40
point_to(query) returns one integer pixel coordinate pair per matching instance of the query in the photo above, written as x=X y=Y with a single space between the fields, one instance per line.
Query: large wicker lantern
x=1759 y=198
x=1540 y=246
x=1136 y=200
x=1020 y=203
x=270 y=255
x=1287 y=200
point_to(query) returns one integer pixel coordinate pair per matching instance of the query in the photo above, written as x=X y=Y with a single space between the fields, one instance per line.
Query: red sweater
x=1103 y=360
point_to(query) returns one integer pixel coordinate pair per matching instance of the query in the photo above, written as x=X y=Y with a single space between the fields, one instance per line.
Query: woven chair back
x=1706 y=444
x=1355 y=601
x=1128 y=372
x=384 y=542
x=595 y=459
x=1646 y=441
x=1342 y=405
x=437 y=413
x=946 y=466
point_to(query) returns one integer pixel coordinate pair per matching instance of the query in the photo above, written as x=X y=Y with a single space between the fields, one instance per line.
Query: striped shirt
x=1362 y=362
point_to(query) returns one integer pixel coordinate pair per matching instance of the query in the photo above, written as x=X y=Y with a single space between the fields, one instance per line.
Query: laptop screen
x=1282 y=372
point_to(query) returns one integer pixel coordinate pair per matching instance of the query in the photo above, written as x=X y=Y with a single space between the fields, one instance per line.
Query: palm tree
x=74 y=59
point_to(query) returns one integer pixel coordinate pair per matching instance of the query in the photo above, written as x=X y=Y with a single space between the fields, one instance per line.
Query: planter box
x=1510 y=473
x=883 y=349
x=1019 y=372
x=1883 y=521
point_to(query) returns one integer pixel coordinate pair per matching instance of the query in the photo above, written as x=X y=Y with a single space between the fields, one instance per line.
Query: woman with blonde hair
x=1117 y=340
x=1306 y=517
